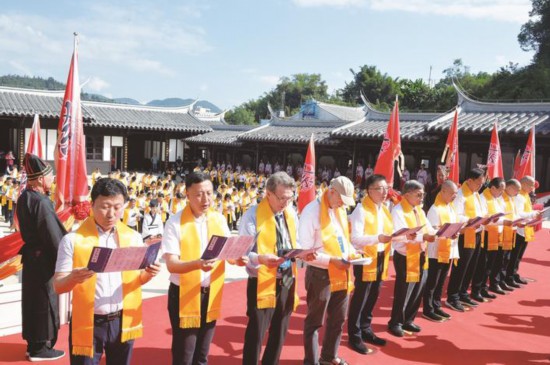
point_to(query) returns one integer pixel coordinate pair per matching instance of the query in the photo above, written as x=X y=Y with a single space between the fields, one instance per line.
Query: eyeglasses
x=380 y=188
x=418 y=195
x=282 y=199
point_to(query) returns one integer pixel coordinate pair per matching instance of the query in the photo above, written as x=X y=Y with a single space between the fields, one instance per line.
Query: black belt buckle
x=205 y=289
x=112 y=316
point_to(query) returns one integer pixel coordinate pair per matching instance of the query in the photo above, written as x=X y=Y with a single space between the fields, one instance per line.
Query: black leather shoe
x=508 y=286
x=397 y=331
x=455 y=305
x=478 y=298
x=485 y=294
x=512 y=284
x=497 y=289
x=521 y=281
x=359 y=347
x=411 y=327
x=431 y=316
x=468 y=302
x=372 y=338
x=441 y=313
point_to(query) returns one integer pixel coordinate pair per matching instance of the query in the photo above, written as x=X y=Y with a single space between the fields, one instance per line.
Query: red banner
x=527 y=162
x=390 y=151
x=70 y=153
x=494 y=158
x=307 y=182
x=450 y=154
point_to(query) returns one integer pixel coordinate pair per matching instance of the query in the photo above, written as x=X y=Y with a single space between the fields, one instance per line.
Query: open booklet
x=297 y=253
x=105 y=259
x=481 y=221
x=228 y=248
x=407 y=231
x=449 y=230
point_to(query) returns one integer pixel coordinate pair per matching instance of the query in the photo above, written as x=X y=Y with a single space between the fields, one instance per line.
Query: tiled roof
x=375 y=123
x=294 y=132
x=221 y=135
x=343 y=113
x=478 y=117
x=47 y=104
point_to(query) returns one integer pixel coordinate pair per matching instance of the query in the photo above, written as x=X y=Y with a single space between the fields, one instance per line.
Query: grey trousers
x=321 y=301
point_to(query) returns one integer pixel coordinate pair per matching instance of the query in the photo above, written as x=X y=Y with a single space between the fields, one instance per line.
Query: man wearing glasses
x=468 y=206
x=371 y=229
x=409 y=259
x=271 y=290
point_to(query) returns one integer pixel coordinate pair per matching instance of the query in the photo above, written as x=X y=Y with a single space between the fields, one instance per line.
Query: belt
x=108 y=317
x=315 y=268
x=205 y=289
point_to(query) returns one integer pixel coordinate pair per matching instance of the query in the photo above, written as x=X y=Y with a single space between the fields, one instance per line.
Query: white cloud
x=501 y=60
x=203 y=87
x=270 y=80
x=515 y=11
x=96 y=84
x=21 y=68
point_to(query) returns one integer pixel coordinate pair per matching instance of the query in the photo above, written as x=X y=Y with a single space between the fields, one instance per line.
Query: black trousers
x=462 y=273
x=190 y=346
x=515 y=258
x=501 y=278
x=406 y=296
x=483 y=268
x=495 y=266
x=106 y=339
x=437 y=273
x=260 y=320
x=363 y=300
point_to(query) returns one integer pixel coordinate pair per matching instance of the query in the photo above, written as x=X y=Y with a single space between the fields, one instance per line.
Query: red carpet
x=513 y=329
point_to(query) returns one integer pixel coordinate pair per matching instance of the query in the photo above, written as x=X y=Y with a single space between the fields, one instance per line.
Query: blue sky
x=229 y=52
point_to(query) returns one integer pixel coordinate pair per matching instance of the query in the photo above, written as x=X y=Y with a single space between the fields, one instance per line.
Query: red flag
x=70 y=154
x=390 y=151
x=494 y=158
x=516 y=164
x=450 y=154
x=35 y=141
x=527 y=162
x=307 y=182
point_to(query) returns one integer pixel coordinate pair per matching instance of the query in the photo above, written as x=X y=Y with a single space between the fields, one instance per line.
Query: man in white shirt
x=440 y=212
x=492 y=203
x=324 y=226
x=409 y=259
x=271 y=290
x=152 y=222
x=468 y=206
x=192 y=333
x=367 y=287
x=524 y=234
x=108 y=305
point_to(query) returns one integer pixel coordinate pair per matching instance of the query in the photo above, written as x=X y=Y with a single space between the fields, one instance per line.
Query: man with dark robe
x=41 y=231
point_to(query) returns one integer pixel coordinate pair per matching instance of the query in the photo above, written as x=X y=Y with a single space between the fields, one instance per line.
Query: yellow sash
x=126 y=215
x=528 y=208
x=444 y=244
x=470 y=212
x=508 y=232
x=190 y=283
x=413 y=249
x=267 y=244
x=371 y=229
x=494 y=237
x=339 y=279
x=86 y=238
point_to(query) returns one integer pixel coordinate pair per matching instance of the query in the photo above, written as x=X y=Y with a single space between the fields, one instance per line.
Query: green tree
x=240 y=115
x=535 y=34
x=380 y=89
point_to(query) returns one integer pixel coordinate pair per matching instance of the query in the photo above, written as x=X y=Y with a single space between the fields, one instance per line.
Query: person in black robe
x=41 y=231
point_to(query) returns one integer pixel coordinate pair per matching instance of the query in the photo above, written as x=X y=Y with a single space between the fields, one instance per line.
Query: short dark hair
x=474 y=174
x=373 y=179
x=179 y=195
x=496 y=182
x=109 y=187
x=196 y=177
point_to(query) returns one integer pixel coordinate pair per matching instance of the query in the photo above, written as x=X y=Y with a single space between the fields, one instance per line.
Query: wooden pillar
x=352 y=161
x=257 y=156
x=166 y=151
x=20 y=153
x=125 y=153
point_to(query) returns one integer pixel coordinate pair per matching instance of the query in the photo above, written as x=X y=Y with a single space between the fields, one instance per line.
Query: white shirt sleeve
x=171 y=237
x=309 y=233
x=357 y=221
x=65 y=253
